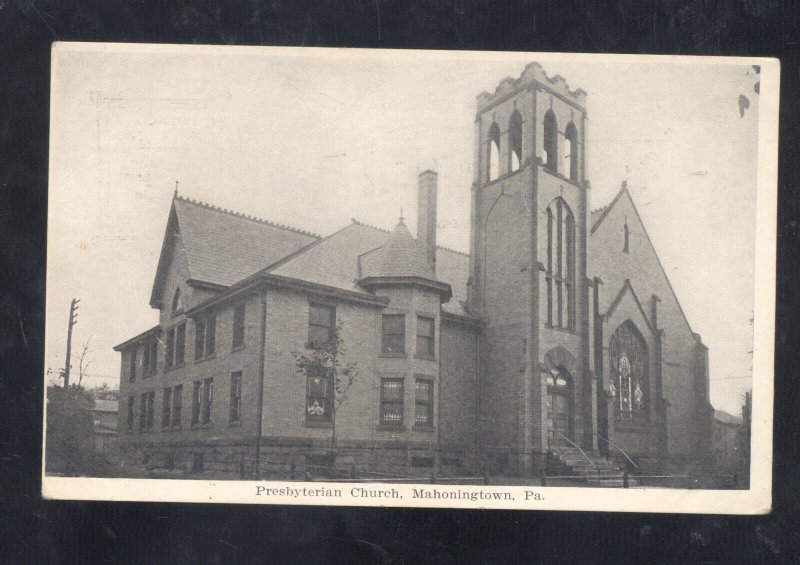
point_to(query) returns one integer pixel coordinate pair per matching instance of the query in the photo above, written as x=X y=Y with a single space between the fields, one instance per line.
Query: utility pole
x=73 y=319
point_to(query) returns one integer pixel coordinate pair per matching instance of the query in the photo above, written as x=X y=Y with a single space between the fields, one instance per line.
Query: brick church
x=559 y=330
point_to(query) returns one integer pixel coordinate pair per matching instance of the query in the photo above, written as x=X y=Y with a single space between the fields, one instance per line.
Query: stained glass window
x=392 y=402
x=629 y=363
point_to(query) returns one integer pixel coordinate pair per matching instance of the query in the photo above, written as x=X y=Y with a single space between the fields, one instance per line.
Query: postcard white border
x=756 y=500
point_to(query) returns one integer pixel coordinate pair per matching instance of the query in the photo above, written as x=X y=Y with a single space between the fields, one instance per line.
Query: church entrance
x=559 y=408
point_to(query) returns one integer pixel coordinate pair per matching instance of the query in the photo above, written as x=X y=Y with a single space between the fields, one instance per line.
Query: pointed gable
x=222 y=247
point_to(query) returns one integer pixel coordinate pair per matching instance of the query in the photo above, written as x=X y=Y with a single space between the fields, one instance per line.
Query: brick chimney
x=426 y=215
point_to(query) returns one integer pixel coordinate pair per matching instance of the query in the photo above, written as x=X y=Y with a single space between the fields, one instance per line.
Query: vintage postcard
x=406 y=278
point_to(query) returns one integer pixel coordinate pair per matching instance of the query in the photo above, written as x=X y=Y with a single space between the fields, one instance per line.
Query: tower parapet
x=533 y=73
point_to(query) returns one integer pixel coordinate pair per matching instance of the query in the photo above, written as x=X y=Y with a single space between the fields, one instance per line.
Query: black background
x=33 y=530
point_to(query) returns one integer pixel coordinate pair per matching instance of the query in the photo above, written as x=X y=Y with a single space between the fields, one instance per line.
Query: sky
x=312 y=138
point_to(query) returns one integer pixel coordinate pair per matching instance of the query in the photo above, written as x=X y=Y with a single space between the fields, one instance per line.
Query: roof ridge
x=360 y=223
x=245 y=216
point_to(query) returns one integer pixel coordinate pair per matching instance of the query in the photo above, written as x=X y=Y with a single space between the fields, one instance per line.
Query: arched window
x=629 y=362
x=514 y=142
x=559 y=406
x=494 y=152
x=560 y=272
x=550 y=141
x=571 y=152
x=177 y=305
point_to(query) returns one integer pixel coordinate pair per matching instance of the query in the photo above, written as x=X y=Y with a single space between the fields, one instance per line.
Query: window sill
x=317 y=424
x=203 y=426
x=207 y=358
x=425 y=357
x=426 y=429
x=385 y=355
x=237 y=348
x=171 y=429
x=235 y=424
x=174 y=367
x=565 y=330
x=632 y=427
x=391 y=428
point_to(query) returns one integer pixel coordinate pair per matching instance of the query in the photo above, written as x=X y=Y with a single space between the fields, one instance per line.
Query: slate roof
x=399 y=256
x=105 y=405
x=223 y=247
x=334 y=261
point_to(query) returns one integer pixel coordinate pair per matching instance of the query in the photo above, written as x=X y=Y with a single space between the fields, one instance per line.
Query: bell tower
x=529 y=217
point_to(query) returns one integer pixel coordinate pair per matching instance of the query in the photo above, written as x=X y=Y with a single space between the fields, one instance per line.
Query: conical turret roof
x=400 y=256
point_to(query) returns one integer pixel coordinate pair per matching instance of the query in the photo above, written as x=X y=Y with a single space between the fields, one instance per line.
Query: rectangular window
x=169 y=356
x=425 y=336
x=131 y=401
x=236 y=397
x=393 y=335
x=319 y=397
x=151 y=400
x=238 y=327
x=146 y=411
x=199 y=338
x=166 y=408
x=205 y=336
x=392 y=402
x=132 y=371
x=142 y=411
x=177 y=405
x=321 y=322
x=208 y=398
x=153 y=365
x=423 y=409
x=180 y=344
x=197 y=393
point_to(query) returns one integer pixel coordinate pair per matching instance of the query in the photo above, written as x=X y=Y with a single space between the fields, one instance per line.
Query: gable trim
x=628 y=287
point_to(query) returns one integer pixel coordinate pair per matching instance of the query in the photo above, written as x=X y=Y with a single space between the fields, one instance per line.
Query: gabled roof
x=105 y=405
x=400 y=256
x=221 y=246
x=627 y=288
x=334 y=261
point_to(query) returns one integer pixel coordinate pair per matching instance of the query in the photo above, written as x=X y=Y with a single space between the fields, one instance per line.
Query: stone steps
x=589 y=469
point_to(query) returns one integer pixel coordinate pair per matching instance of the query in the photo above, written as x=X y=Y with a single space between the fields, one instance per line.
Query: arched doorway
x=559 y=407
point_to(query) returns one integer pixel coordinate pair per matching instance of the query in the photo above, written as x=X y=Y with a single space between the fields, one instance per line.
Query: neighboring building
x=104 y=417
x=559 y=329
x=727 y=443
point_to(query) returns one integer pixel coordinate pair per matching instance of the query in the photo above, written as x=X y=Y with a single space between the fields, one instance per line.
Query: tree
x=326 y=362
x=103 y=392
x=84 y=361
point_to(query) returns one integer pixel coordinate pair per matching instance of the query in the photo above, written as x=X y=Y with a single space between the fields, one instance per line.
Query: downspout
x=261 y=372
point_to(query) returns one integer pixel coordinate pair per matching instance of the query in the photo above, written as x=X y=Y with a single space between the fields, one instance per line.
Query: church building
x=558 y=338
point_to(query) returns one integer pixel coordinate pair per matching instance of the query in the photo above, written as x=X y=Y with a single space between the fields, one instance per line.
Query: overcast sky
x=312 y=138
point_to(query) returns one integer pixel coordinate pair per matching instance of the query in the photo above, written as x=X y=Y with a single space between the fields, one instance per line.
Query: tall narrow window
x=391 y=402
x=550 y=141
x=199 y=338
x=197 y=399
x=166 y=408
x=151 y=400
x=177 y=305
x=143 y=411
x=321 y=324
x=494 y=152
x=560 y=271
x=626 y=236
x=211 y=335
x=393 y=339
x=319 y=398
x=180 y=344
x=235 y=409
x=238 y=327
x=571 y=152
x=153 y=355
x=515 y=142
x=169 y=357
x=132 y=369
x=629 y=363
x=423 y=404
x=177 y=405
x=426 y=328
x=208 y=399
x=131 y=412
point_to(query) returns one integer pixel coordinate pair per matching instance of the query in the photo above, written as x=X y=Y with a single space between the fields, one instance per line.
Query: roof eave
x=444 y=290
x=135 y=338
